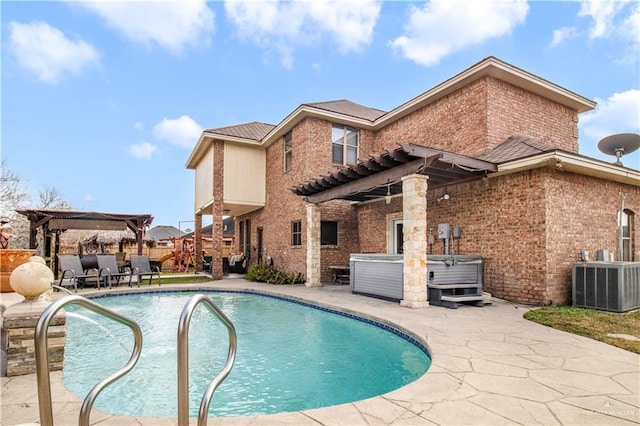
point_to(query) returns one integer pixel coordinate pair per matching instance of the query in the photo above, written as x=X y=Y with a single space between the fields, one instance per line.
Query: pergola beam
x=360 y=185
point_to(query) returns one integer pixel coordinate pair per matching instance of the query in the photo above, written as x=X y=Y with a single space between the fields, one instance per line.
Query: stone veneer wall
x=18 y=332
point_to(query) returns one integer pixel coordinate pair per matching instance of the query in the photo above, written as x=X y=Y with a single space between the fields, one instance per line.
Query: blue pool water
x=291 y=356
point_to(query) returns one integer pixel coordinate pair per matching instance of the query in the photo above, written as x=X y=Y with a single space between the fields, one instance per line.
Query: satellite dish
x=619 y=145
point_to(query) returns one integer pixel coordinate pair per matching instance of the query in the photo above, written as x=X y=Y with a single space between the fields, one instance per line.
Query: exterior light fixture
x=387 y=198
x=445 y=196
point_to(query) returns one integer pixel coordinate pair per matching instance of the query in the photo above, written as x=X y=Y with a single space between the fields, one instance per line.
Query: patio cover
x=380 y=175
x=62 y=220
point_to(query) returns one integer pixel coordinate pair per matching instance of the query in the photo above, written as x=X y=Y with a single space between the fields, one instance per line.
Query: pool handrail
x=42 y=356
x=183 y=360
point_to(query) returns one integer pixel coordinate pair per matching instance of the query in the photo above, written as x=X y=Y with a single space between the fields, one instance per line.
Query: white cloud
x=630 y=30
x=442 y=27
x=562 y=34
x=46 y=52
x=169 y=24
x=603 y=13
x=280 y=26
x=144 y=150
x=183 y=132
x=88 y=198
x=620 y=113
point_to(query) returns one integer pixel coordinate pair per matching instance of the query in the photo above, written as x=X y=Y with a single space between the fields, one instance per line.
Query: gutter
x=564 y=161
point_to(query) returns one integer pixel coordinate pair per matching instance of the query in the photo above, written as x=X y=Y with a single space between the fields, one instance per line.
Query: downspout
x=620 y=229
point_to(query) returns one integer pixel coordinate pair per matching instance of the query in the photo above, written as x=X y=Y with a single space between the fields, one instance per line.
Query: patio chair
x=238 y=264
x=108 y=270
x=73 y=273
x=140 y=267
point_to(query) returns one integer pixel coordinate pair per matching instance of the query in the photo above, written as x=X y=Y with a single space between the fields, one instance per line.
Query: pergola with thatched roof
x=58 y=221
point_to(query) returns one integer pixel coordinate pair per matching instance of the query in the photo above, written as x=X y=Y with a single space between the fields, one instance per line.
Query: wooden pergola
x=380 y=175
x=58 y=221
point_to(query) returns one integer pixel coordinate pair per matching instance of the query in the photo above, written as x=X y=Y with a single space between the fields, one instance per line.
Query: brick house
x=492 y=151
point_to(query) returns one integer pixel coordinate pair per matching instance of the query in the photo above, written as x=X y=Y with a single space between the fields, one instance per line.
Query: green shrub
x=267 y=274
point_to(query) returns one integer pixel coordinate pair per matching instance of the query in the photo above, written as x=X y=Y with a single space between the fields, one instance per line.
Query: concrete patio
x=490 y=367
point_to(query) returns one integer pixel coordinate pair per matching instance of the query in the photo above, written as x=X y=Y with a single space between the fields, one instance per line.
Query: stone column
x=414 y=211
x=313 y=246
x=18 y=332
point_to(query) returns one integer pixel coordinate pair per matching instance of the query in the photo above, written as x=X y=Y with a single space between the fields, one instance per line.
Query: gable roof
x=515 y=147
x=347 y=112
x=349 y=108
x=254 y=130
x=163 y=232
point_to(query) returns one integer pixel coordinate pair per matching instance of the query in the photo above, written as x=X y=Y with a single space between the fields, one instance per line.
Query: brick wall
x=518 y=223
x=529 y=228
x=476 y=118
x=311 y=141
x=455 y=123
x=515 y=111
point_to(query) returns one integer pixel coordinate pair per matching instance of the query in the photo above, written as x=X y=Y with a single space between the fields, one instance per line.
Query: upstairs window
x=328 y=233
x=288 y=151
x=296 y=233
x=344 y=147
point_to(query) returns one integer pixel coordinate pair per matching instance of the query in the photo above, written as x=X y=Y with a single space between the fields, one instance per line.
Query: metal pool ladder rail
x=42 y=356
x=183 y=360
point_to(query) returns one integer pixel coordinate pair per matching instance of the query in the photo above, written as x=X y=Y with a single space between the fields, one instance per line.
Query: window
x=328 y=233
x=288 y=151
x=296 y=233
x=344 y=148
x=241 y=238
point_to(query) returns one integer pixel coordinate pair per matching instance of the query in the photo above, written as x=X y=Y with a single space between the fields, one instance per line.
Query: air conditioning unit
x=607 y=286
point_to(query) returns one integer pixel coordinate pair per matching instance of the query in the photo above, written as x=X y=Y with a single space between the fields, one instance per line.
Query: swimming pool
x=291 y=355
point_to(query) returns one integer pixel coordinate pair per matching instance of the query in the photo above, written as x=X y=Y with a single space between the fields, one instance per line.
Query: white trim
x=392 y=220
x=574 y=163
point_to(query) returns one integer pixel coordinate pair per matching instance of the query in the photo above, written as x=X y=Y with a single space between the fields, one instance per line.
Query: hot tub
x=377 y=275
x=451 y=279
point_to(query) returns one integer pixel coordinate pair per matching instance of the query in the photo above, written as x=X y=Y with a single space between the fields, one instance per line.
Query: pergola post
x=313 y=246
x=414 y=217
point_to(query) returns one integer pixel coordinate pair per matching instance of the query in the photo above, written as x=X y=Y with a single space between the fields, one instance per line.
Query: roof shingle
x=515 y=147
x=253 y=130
x=346 y=107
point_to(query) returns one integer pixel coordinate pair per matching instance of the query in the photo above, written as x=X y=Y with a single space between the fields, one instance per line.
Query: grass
x=591 y=323
x=168 y=279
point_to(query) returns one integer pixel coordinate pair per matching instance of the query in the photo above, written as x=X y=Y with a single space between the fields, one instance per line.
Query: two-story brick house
x=335 y=178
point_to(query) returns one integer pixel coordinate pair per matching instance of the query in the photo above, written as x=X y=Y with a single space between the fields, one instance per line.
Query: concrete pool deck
x=490 y=367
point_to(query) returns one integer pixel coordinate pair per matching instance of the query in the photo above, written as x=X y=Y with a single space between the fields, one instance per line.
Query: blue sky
x=103 y=101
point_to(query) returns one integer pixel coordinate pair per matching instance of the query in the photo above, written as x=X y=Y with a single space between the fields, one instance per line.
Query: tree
x=13 y=192
x=50 y=198
x=14 y=195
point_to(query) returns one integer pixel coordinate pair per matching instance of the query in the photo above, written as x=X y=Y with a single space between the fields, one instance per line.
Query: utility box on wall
x=608 y=286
